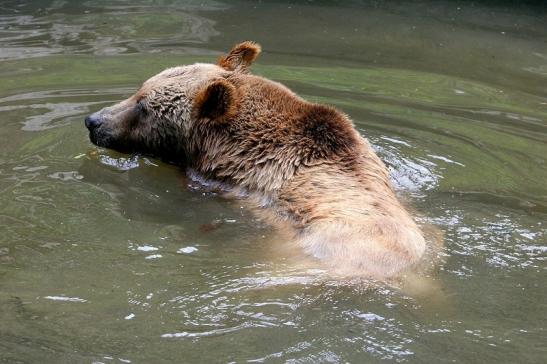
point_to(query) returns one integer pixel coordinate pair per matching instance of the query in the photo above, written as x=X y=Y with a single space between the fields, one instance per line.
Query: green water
x=107 y=258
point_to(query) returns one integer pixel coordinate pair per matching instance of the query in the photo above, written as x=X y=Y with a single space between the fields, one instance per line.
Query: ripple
x=66 y=176
x=47 y=114
x=501 y=240
x=146 y=248
x=121 y=163
x=65 y=299
x=410 y=174
x=216 y=332
x=187 y=250
x=145 y=29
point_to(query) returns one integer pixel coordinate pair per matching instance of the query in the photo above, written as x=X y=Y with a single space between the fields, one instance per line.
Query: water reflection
x=95 y=28
x=46 y=109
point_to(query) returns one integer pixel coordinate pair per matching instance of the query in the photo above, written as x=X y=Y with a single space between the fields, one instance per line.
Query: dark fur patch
x=330 y=131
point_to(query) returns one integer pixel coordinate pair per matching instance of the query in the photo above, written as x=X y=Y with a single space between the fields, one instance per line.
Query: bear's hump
x=330 y=131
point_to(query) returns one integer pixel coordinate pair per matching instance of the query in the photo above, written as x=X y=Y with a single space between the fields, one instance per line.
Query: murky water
x=112 y=258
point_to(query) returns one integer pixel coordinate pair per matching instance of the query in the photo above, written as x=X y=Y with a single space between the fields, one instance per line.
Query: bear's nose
x=92 y=121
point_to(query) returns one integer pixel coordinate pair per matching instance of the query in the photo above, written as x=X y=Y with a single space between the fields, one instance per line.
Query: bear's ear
x=240 y=57
x=216 y=100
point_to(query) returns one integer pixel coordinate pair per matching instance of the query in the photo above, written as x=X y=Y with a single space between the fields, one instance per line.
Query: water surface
x=112 y=258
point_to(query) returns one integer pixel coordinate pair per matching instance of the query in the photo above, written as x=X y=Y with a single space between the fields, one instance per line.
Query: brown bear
x=302 y=162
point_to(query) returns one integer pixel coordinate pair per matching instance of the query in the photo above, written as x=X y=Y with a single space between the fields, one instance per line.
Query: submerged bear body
x=303 y=163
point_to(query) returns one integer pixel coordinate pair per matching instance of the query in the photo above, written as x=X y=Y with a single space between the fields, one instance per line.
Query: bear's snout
x=98 y=134
x=92 y=121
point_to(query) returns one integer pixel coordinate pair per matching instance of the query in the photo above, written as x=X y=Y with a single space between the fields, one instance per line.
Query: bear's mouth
x=101 y=137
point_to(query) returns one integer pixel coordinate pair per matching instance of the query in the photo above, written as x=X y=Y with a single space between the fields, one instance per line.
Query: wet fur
x=303 y=164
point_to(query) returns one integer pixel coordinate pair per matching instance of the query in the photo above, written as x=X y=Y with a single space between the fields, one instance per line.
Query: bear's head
x=159 y=118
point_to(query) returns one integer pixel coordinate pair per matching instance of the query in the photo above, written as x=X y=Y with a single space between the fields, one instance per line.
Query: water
x=112 y=258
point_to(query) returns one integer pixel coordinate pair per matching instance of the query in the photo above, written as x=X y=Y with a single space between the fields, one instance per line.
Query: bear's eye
x=141 y=107
x=136 y=113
